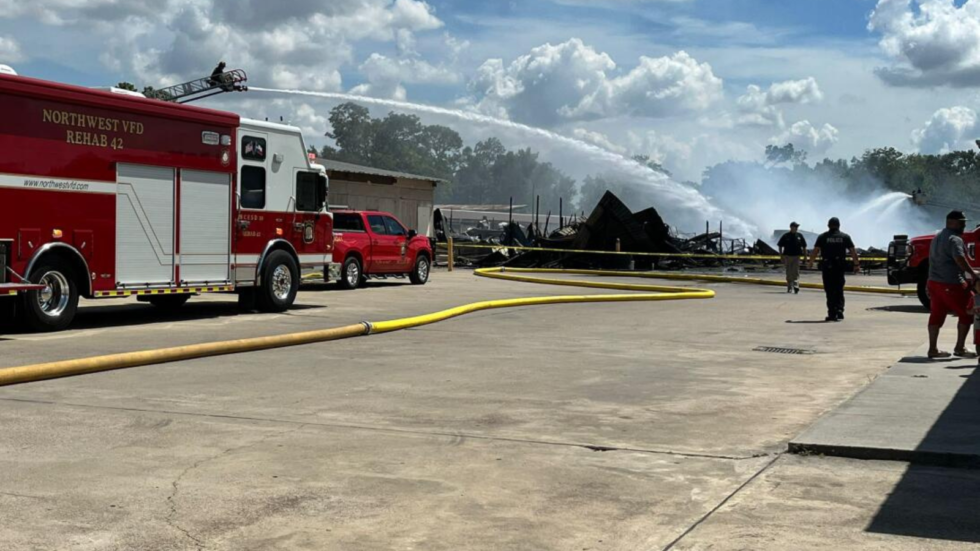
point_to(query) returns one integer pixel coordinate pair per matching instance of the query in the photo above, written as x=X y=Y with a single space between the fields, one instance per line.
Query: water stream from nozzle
x=696 y=206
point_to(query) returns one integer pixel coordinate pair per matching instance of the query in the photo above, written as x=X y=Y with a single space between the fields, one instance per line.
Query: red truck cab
x=377 y=244
x=908 y=260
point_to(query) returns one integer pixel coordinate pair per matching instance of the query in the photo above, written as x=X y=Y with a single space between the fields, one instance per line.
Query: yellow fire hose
x=640 y=292
x=66 y=368
x=706 y=277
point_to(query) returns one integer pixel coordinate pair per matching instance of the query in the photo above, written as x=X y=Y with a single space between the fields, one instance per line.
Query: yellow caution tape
x=626 y=253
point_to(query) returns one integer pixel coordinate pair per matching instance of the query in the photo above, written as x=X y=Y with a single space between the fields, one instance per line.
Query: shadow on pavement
x=902 y=308
x=935 y=502
x=927 y=360
x=135 y=313
x=333 y=287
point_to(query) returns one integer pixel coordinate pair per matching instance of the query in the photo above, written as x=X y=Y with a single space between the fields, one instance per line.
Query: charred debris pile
x=611 y=226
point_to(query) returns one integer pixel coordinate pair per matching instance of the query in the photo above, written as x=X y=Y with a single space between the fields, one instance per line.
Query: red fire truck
x=105 y=195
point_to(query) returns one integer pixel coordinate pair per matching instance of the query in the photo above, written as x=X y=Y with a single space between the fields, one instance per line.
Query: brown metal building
x=409 y=197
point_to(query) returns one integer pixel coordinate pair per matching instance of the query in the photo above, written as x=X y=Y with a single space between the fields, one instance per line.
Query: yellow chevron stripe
x=171 y=291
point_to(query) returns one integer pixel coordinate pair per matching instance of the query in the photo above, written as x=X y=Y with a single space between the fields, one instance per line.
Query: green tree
x=788 y=153
x=353 y=132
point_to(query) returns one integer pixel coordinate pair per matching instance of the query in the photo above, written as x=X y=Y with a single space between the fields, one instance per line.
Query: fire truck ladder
x=229 y=81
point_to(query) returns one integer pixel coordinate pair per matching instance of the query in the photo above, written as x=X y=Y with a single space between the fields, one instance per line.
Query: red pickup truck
x=376 y=244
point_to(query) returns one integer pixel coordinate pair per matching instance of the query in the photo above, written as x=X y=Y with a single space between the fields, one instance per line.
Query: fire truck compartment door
x=205 y=226
x=144 y=225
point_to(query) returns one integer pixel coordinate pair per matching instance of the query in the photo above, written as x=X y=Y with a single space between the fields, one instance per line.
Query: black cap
x=794 y=225
x=833 y=223
x=956 y=215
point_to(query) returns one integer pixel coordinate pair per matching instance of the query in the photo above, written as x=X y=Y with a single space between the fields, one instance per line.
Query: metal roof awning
x=338 y=166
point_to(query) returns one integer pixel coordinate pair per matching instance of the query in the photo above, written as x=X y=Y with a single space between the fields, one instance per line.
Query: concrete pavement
x=614 y=426
x=920 y=411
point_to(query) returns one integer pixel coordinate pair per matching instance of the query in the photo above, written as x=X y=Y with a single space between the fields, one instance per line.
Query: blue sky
x=688 y=82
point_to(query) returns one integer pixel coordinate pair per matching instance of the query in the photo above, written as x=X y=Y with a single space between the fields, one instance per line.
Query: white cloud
x=663 y=149
x=936 y=42
x=573 y=81
x=295 y=44
x=805 y=136
x=385 y=76
x=949 y=129
x=10 y=51
x=455 y=45
x=599 y=139
x=656 y=88
x=759 y=108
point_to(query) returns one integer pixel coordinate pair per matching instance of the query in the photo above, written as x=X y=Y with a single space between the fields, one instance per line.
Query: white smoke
x=771 y=198
x=681 y=206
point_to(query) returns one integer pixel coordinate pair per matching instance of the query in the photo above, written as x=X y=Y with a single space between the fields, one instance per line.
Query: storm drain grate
x=780 y=350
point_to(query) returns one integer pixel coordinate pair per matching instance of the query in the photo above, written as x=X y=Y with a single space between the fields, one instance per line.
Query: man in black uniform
x=832 y=247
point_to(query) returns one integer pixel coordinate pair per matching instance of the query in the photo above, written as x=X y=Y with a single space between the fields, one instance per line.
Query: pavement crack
x=391 y=430
x=722 y=503
x=172 y=519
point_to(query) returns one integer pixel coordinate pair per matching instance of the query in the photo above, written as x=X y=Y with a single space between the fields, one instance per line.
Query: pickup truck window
x=394 y=227
x=348 y=222
x=377 y=224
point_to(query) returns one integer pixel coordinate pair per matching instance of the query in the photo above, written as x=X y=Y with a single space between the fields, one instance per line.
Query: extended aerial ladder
x=229 y=81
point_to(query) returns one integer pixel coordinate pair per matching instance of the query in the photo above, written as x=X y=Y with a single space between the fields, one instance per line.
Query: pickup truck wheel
x=923 y=292
x=54 y=307
x=421 y=272
x=351 y=276
x=169 y=303
x=280 y=283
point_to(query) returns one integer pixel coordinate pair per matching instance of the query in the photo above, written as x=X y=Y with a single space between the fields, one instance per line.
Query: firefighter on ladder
x=219 y=78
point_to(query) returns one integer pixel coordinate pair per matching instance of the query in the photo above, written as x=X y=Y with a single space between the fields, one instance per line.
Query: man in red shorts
x=947 y=288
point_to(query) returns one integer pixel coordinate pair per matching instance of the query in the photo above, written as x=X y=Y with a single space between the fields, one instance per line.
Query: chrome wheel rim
x=53 y=299
x=282 y=282
x=353 y=274
x=423 y=269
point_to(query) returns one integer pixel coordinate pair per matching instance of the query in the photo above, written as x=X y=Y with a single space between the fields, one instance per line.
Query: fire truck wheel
x=54 y=307
x=280 y=282
x=169 y=303
x=421 y=272
x=351 y=276
x=923 y=292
